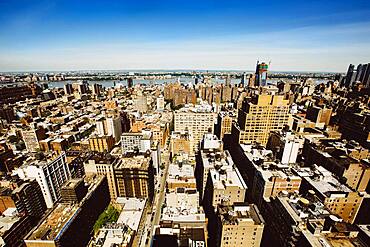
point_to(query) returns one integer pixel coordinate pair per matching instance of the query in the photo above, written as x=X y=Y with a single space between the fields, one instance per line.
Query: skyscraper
x=261 y=74
x=130 y=82
x=259 y=116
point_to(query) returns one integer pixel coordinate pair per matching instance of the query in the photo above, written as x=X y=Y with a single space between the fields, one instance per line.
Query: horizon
x=53 y=35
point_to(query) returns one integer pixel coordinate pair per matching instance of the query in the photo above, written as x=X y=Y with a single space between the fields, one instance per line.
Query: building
x=239 y=225
x=199 y=120
x=141 y=103
x=258 y=117
x=261 y=74
x=140 y=142
x=13 y=228
x=286 y=146
x=337 y=198
x=320 y=116
x=73 y=191
x=50 y=175
x=114 y=127
x=134 y=177
x=160 y=103
x=31 y=138
x=29 y=199
x=68 y=89
x=102 y=165
x=101 y=143
x=224 y=123
x=181 y=142
x=265 y=177
x=347 y=160
x=70 y=224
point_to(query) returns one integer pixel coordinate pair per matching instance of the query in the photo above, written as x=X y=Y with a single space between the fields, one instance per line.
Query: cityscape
x=174 y=143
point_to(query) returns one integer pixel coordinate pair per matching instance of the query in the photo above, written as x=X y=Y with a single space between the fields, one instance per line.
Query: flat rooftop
x=132 y=211
x=139 y=161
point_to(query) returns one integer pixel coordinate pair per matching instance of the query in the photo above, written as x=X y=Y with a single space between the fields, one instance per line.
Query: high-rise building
x=130 y=82
x=114 y=127
x=259 y=116
x=31 y=138
x=160 y=103
x=68 y=89
x=29 y=199
x=199 y=120
x=50 y=175
x=97 y=89
x=71 y=224
x=261 y=74
x=141 y=103
x=103 y=164
x=101 y=143
x=228 y=80
x=239 y=225
x=134 y=177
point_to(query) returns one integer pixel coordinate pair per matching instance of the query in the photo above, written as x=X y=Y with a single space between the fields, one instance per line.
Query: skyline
x=171 y=35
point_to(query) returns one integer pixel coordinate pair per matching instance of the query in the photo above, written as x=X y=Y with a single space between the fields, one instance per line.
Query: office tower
x=199 y=120
x=68 y=89
x=134 y=177
x=351 y=73
x=50 y=175
x=239 y=225
x=114 y=127
x=71 y=224
x=160 y=103
x=243 y=80
x=103 y=164
x=226 y=93
x=130 y=82
x=101 y=143
x=29 y=199
x=82 y=88
x=101 y=126
x=261 y=74
x=259 y=116
x=97 y=89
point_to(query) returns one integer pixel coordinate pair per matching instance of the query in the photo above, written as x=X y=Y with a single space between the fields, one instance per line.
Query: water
x=110 y=83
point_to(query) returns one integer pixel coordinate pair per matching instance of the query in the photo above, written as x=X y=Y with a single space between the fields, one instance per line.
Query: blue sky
x=72 y=35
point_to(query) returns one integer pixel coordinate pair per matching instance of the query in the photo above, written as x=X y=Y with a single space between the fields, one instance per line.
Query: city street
x=153 y=213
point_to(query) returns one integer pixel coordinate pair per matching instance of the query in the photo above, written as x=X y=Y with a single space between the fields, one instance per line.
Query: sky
x=309 y=35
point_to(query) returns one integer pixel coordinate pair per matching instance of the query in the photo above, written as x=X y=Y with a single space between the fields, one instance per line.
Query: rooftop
x=59 y=218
